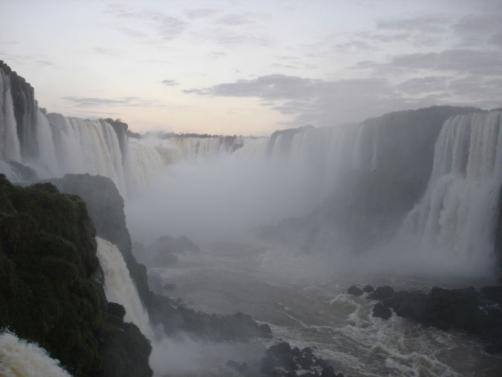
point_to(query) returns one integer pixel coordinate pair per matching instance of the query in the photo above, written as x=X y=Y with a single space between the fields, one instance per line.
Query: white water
x=120 y=288
x=315 y=311
x=457 y=214
x=61 y=145
x=9 y=143
x=19 y=358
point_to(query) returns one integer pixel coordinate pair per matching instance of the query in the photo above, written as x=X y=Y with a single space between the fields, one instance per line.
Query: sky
x=251 y=67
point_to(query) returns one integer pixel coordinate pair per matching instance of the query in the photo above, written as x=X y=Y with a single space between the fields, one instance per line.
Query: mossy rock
x=51 y=284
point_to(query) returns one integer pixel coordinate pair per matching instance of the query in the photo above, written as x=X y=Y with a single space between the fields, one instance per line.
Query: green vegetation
x=51 y=284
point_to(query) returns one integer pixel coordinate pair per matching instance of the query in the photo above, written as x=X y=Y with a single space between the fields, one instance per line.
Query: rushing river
x=317 y=312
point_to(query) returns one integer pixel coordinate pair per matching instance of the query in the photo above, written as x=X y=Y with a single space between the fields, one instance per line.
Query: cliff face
x=51 y=284
x=106 y=209
x=371 y=199
x=404 y=143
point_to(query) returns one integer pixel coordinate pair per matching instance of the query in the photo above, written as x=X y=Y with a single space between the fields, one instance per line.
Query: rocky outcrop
x=106 y=209
x=166 y=250
x=475 y=312
x=175 y=317
x=282 y=360
x=51 y=284
x=125 y=350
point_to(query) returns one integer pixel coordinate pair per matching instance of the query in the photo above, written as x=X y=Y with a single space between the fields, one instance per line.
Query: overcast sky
x=249 y=67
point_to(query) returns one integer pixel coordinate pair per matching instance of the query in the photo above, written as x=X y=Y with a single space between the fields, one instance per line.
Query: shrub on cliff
x=51 y=284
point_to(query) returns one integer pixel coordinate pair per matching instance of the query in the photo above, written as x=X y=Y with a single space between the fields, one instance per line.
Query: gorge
x=284 y=225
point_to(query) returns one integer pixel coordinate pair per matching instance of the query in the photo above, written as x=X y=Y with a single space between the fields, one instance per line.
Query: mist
x=221 y=198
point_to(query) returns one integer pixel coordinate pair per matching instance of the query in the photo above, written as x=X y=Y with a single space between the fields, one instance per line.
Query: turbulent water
x=119 y=286
x=19 y=358
x=313 y=310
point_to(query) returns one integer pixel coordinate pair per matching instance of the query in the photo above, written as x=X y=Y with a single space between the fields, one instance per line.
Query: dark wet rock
x=381 y=293
x=51 y=284
x=125 y=351
x=106 y=209
x=175 y=317
x=242 y=367
x=176 y=245
x=368 y=289
x=166 y=250
x=381 y=311
x=475 y=312
x=282 y=360
x=165 y=259
x=355 y=291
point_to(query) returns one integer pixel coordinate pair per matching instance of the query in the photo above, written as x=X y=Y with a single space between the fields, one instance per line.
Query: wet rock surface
x=477 y=312
x=175 y=317
x=282 y=360
x=51 y=285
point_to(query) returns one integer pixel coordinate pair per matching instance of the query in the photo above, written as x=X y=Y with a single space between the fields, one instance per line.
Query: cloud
x=169 y=82
x=427 y=24
x=233 y=39
x=201 y=13
x=33 y=60
x=106 y=51
x=354 y=45
x=423 y=85
x=497 y=39
x=313 y=101
x=109 y=102
x=464 y=61
x=217 y=54
x=271 y=86
x=163 y=25
x=327 y=102
x=44 y=63
x=236 y=19
x=478 y=29
x=384 y=37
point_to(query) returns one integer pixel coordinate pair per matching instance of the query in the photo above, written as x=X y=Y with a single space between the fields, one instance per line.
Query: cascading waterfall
x=19 y=358
x=323 y=155
x=55 y=145
x=9 y=143
x=457 y=213
x=119 y=286
x=88 y=146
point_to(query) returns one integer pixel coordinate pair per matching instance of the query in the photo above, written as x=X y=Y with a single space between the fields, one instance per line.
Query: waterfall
x=119 y=286
x=55 y=145
x=9 y=142
x=458 y=210
x=88 y=146
x=19 y=358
